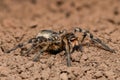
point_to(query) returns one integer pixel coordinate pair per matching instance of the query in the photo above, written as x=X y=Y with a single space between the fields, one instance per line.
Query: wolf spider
x=54 y=42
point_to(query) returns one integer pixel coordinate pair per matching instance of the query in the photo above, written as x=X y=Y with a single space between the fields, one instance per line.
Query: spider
x=55 y=42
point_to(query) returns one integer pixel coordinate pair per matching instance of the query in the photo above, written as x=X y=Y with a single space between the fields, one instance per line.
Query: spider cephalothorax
x=54 y=42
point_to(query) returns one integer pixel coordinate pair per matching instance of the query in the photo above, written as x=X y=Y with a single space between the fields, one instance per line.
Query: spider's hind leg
x=28 y=50
x=67 y=51
x=94 y=39
x=36 y=57
x=20 y=45
x=14 y=48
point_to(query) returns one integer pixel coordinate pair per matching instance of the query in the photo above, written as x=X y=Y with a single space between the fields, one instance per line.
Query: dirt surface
x=18 y=20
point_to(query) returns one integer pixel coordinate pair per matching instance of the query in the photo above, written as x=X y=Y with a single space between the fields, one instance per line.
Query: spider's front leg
x=20 y=45
x=82 y=31
x=94 y=39
x=67 y=51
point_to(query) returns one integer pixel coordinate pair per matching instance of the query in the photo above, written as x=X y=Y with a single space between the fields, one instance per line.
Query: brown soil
x=17 y=24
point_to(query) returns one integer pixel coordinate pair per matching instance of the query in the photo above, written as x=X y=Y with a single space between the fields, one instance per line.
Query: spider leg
x=14 y=48
x=84 y=36
x=94 y=39
x=37 y=40
x=67 y=51
x=27 y=52
x=36 y=57
x=79 y=46
x=68 y=56
x=80 y=49
x=97 y=40
x=20 y=45
x=35 y=43
x=82 y=31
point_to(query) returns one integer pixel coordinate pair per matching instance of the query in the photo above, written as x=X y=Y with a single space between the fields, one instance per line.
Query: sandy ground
x=17 y=24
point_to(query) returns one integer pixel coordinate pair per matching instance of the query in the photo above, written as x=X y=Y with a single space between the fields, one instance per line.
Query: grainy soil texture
x=21 y=20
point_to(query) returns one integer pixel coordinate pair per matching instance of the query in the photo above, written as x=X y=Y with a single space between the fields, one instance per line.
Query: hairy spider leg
x=94 y=39
x=29 y=49
x=79 y=46
x=82 y=31
x=21 y=45
x=36 y=57
x=67 y=51
x=38 y=40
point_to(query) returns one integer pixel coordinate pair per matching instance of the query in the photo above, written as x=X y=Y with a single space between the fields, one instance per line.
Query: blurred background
x=60 y=12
